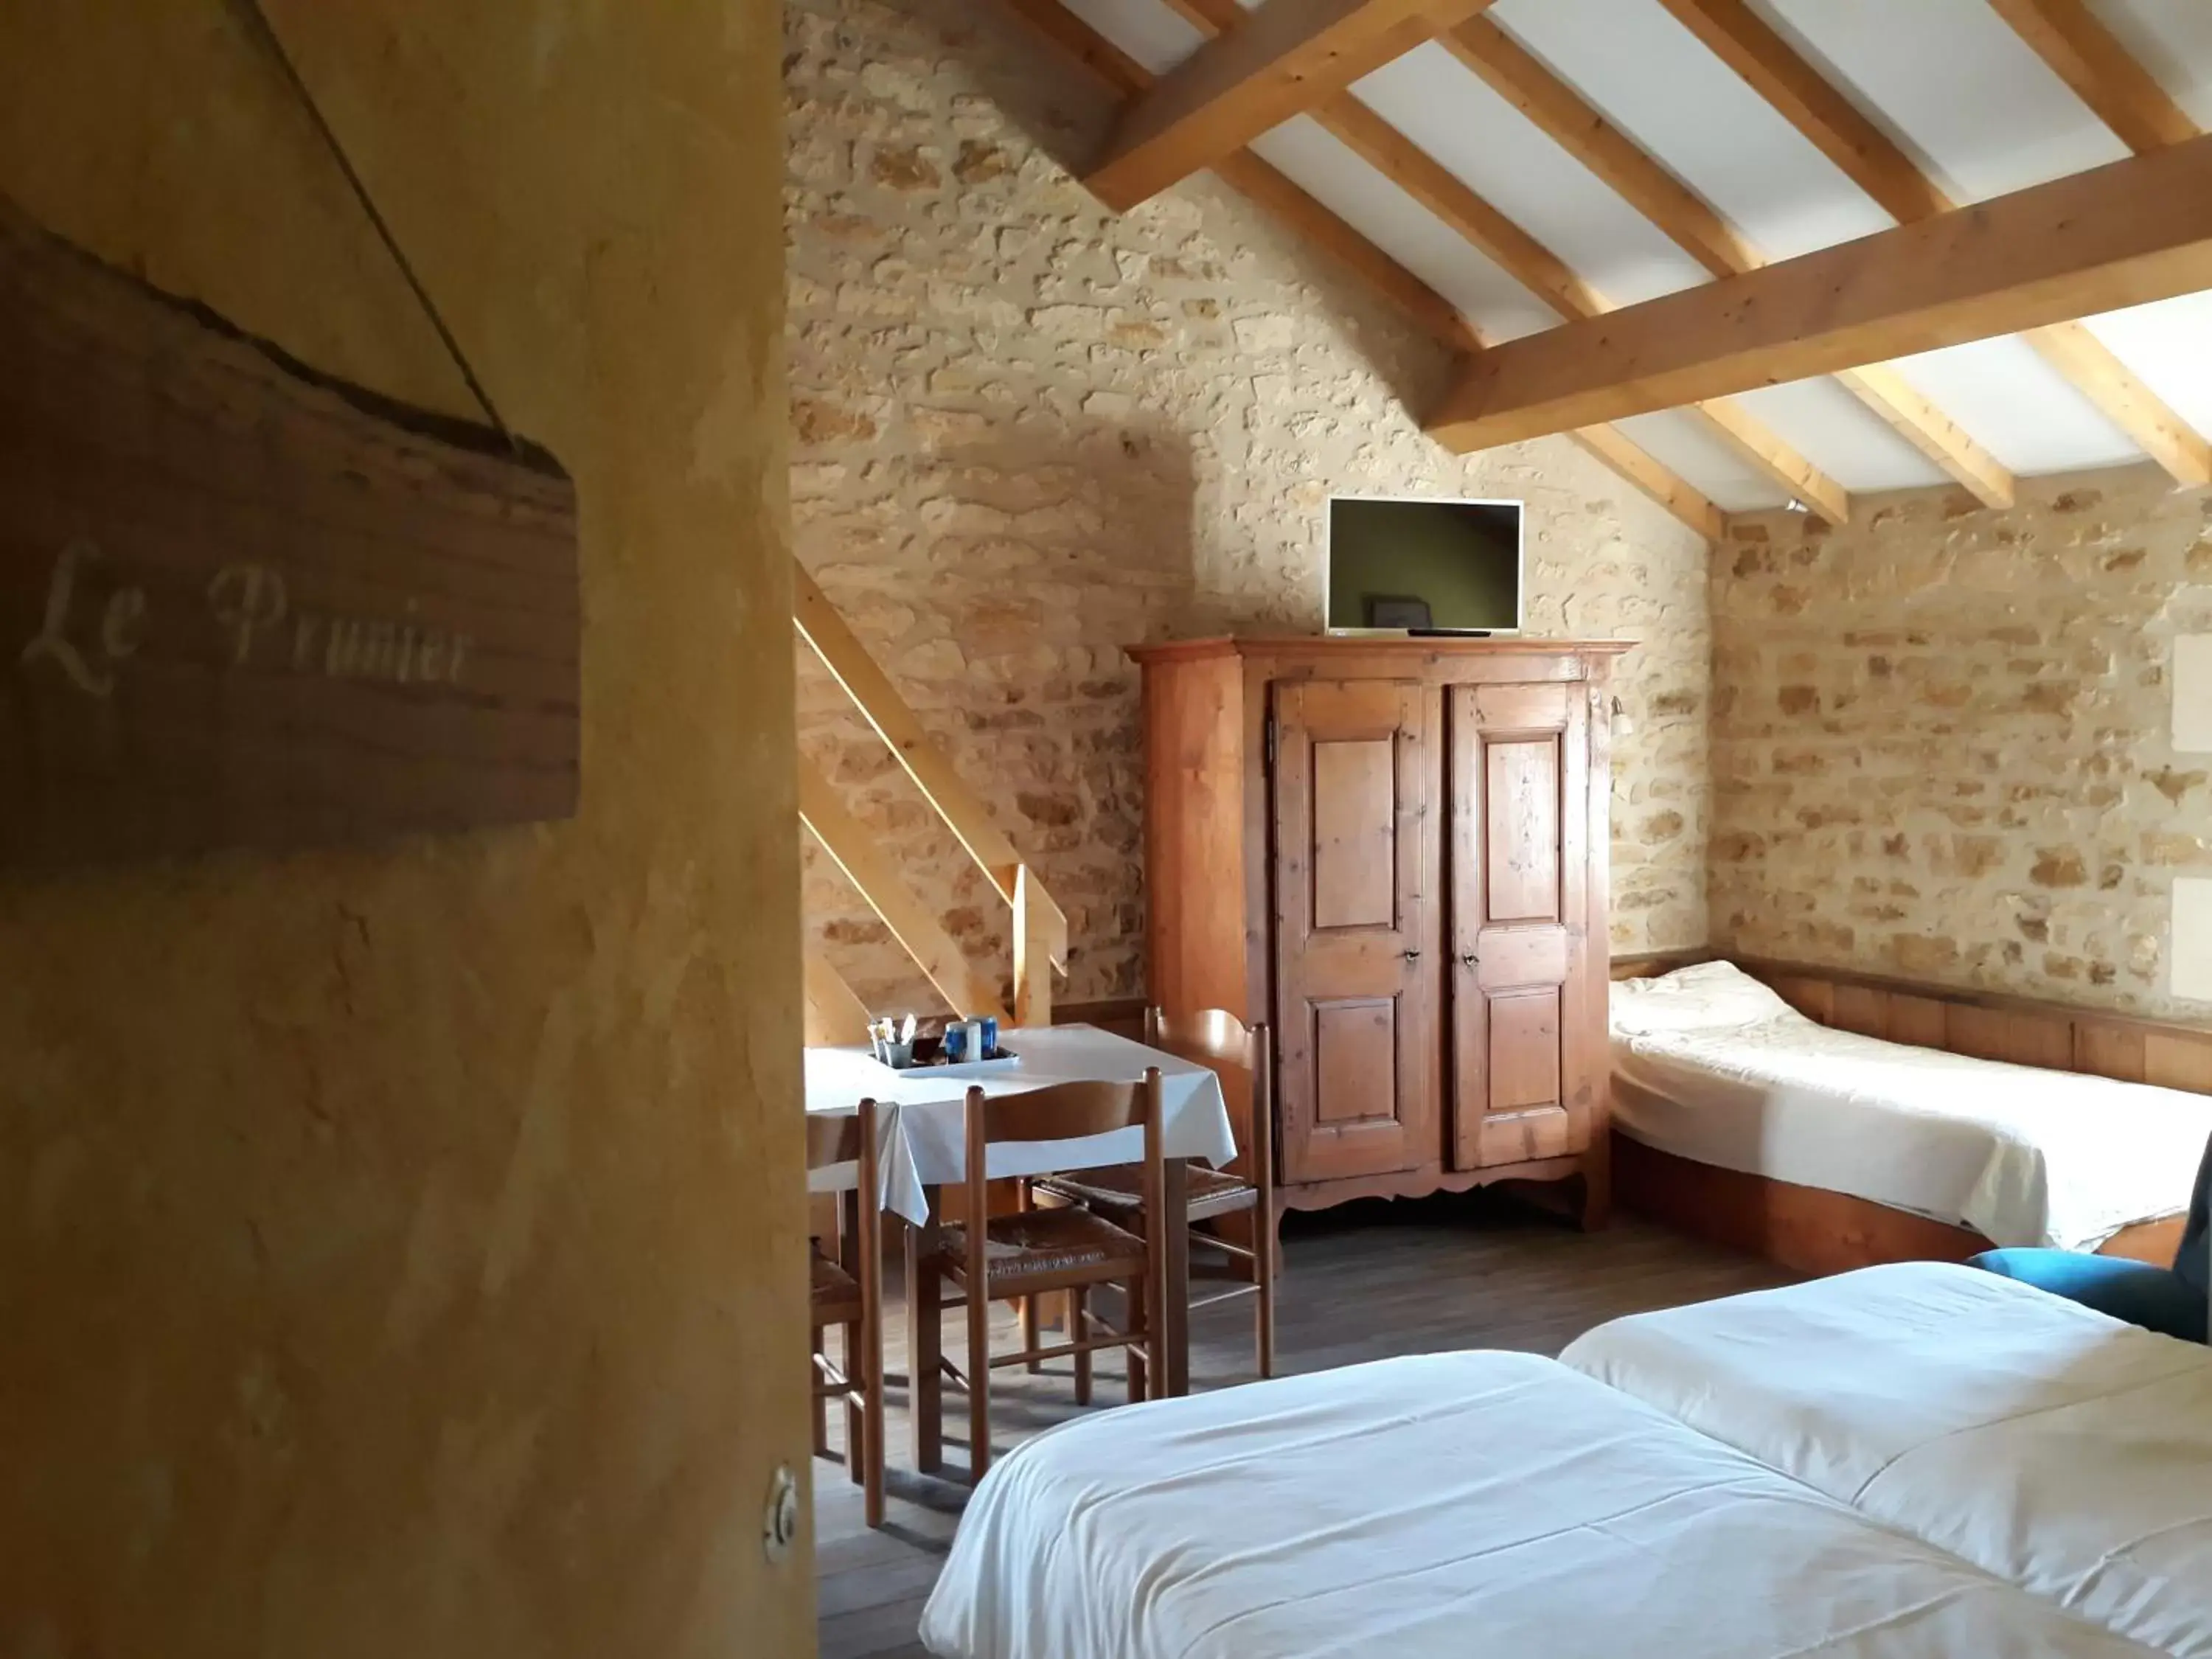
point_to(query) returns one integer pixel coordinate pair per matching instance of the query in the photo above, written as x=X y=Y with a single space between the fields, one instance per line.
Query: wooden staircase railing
x=1040 y=927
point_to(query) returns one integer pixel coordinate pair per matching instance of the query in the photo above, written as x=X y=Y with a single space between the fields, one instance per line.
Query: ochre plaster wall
x=1029 y=432
x=399 y=1247
x=1942 y=738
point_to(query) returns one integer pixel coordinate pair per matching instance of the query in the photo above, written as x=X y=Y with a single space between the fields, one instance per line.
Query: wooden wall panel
x=2104 y=1050
x=1915 y=1019
x=1855 y=1008
x=2179 y=1059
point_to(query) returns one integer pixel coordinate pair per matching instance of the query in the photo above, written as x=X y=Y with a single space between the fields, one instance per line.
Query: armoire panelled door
x=1523 y=1084
x=1357 y=828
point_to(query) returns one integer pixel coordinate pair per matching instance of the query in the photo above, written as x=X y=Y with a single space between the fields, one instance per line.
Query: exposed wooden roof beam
x=1208 y=17
x=1653 y=478
x=1880 y=167
x=1693 y=224
x=1873 y=161
x=1517 y=75
x=2136 y=231
x=2086 y=362
x=1267 y=188
x=1536 y=268
x=1479 y=224
x=1287 y=58
x=2088 y=57
x=1918 y=421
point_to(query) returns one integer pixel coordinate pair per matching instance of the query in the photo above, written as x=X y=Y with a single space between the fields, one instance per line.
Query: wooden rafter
x=1699 y=229
x=1610 y=445
x=1269 y=189
x=1880 y=167
x=1536 y=268
x=2125 y=235
x=1517 y=75
x=1917 y=419
x=1291 y=55
x=2088 y=57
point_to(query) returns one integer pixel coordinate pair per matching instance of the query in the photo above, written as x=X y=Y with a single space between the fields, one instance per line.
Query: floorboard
x=1363 y=1282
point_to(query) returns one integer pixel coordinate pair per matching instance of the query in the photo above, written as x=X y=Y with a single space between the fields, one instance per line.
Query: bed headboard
x=1984 y=1024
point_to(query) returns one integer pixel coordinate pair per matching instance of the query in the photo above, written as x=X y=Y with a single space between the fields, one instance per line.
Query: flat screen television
x=1396 y=565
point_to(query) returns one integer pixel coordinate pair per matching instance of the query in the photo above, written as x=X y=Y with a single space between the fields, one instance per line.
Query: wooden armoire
x=1393 y=851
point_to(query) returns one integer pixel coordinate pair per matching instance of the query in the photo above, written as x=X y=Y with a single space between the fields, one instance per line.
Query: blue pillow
x=2158 y=1299
x=2191 y=1262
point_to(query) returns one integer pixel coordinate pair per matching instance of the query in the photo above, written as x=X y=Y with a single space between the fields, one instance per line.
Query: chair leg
x=871 y=1439
x=1026 y=1306
x=1078 y=1322
x=854 y=1427
x=1263 y=1275
x=979 y=1381
x=1139 y=1323
x=821 y=1402
x=925 y=1296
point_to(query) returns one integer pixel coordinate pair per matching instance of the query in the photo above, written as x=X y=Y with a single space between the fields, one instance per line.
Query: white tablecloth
x=926 y=1137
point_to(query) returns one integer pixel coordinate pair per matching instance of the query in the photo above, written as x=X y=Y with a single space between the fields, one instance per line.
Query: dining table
x=921 y=1127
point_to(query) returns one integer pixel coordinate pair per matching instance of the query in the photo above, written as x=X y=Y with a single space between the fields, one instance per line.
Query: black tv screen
x=1423 y=564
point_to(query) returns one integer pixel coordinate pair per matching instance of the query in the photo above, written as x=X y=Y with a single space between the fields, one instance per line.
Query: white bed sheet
x=2059 y=1450
x=1442 y=1507
x=2021 y=1155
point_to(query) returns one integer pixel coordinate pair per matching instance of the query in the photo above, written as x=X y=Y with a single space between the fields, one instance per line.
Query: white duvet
x=1452 y=1506
x=1708 y=1064
x=2047 y=1444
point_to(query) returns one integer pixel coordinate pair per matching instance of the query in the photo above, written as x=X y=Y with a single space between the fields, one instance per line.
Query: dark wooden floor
x=1363 y=1282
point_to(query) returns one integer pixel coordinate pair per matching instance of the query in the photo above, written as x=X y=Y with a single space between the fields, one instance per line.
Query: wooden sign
x=243 y=604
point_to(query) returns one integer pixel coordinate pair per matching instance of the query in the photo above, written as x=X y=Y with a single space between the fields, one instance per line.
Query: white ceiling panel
x=1656 y=82
x=1965 y=95
x=2018 y=407
x=1145 y=29
x=1841 y=435
x=1500 y=155
x=1689 y=447
x=1403 y=229
x=2172 y=38
x=2169 y=346
x=1962 y=93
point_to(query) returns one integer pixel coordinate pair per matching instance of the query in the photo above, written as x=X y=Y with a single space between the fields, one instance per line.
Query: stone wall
x=1941 y=737
x=1028 y=432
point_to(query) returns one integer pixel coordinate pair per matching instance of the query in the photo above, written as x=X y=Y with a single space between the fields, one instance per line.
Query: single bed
x=2045 y=1443
x=1440 y=1507
x=1719 y=1085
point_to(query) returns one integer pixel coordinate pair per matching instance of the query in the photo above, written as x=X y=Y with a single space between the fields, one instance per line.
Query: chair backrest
x=1209 y=1035
x=850 y=1138
x=839 y=1137
x=1061 y=1111
x=1215 y=1037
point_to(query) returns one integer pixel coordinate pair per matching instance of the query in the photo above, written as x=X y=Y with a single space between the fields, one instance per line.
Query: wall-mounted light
x=1623 y=725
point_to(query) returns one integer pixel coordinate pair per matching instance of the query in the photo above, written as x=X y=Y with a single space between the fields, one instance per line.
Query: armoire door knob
x=1470 y=959
x=1413 y=956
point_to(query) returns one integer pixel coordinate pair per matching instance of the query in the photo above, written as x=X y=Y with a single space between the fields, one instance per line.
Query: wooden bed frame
x=1817 y=1231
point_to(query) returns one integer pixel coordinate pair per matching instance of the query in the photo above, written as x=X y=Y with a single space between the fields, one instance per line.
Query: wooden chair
x=850 y=1293
x=1215 y=1038
x=1039 y=1252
